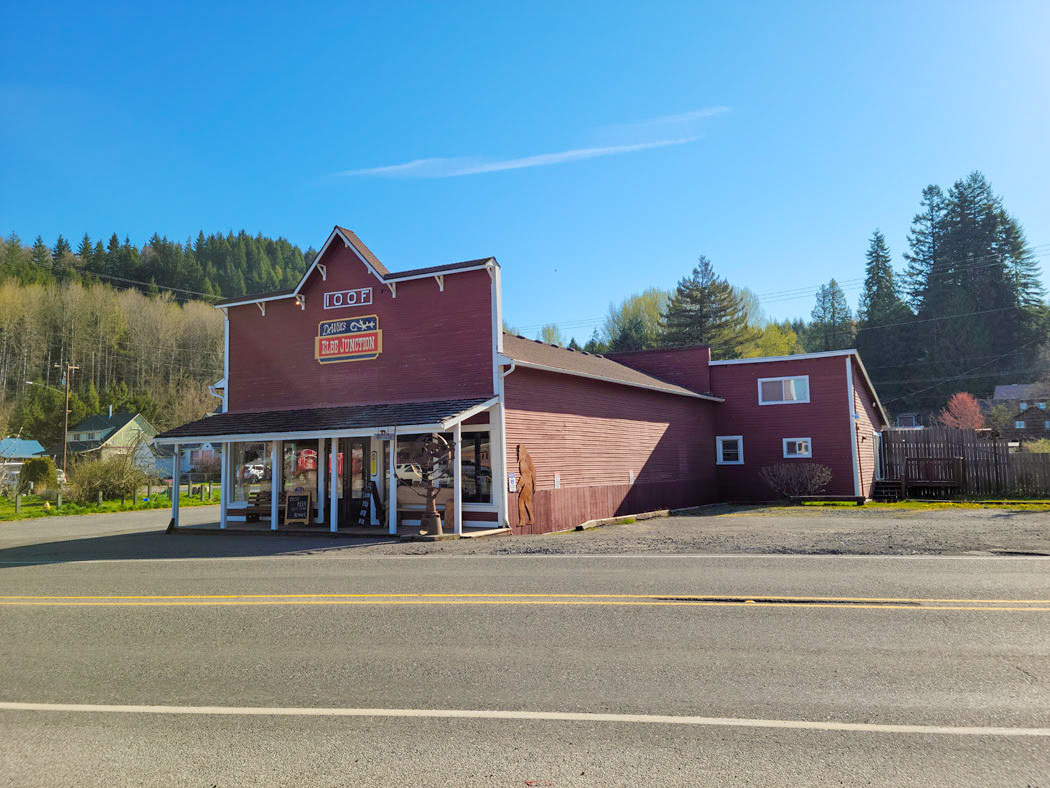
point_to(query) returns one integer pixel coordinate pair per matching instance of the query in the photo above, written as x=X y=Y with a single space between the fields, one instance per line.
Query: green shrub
x=37 y=473
x=1041 y=446
x=113 y=477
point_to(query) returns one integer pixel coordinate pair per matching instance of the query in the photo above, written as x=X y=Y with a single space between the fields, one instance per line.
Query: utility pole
x=65 y=430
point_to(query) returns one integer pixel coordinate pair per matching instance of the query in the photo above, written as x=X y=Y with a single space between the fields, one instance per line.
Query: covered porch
x=350 y=470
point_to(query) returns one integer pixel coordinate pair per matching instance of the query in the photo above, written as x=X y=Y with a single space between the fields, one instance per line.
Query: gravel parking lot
x=801 y=530
x=868 y=530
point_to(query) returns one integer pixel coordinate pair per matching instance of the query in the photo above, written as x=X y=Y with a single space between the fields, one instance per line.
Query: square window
x=775 y=391
x=1041 y=405
x=798 y=447
x=729 y=449
x=1019 y=425
x=1024 y=406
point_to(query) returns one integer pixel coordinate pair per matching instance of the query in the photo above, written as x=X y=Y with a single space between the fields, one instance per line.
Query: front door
x=355 y=482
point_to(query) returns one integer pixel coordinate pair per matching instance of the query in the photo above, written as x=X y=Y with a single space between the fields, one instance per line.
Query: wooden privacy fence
x=962 y=462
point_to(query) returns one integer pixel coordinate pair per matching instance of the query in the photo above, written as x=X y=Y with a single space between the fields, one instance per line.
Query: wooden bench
x=800 y=499
x=259 y=506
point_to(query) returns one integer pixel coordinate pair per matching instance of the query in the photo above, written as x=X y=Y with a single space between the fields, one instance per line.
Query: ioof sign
x=348 y=339
x=340 y=298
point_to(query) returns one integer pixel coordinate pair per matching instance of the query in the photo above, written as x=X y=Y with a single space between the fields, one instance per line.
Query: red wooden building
x=329 y=387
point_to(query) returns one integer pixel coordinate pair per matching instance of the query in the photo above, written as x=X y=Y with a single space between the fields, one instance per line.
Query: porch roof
x=306 y=422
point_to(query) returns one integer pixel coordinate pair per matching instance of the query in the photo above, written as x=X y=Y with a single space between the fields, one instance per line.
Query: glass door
x=355 y=509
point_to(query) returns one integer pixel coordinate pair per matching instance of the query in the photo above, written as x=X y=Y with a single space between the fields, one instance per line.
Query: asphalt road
x=803 y=670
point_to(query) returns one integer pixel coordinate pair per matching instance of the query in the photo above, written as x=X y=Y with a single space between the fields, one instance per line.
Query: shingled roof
x=1021 y=391
x=591 y=365
x=314 y=420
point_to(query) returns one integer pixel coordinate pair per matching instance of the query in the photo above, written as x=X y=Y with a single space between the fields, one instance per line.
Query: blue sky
x=594 y=148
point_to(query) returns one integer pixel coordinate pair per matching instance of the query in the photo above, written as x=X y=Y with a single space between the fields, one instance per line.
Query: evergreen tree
x=883 y=331
x=84 y=251
x=595 y=344
x=40 y=254
x=705 y=310
x=574 y=345
x=832 y=320
x=61 y=249
x=633 y=335
x=924 y=240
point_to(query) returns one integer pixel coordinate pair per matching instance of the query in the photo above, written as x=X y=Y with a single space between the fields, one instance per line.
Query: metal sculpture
x=434 y=455
x=526 y=486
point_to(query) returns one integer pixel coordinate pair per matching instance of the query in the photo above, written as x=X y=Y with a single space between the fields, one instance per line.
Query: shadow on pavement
x=158 y=544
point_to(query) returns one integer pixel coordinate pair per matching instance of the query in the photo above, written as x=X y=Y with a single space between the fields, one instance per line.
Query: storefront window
x=300 y=466
x=251 y=469
x=477 y=471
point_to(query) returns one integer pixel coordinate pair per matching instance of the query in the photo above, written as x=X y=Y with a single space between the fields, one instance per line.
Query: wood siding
x=868 y=422
x=436 y=345
x=826 y=419
x=595 y=436
x=687 y=366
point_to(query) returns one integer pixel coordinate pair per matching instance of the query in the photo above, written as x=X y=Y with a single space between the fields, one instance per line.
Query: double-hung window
x=729 y=449
x=798 y=447
x=783 y=391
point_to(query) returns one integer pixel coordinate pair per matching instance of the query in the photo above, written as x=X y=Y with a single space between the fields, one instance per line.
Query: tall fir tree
x=832 y=327
x=61 y=248
x=924 y=241
x=883 y=325
x=706 y=310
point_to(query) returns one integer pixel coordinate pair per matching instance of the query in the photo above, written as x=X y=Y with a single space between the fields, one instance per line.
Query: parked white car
x=409 y=472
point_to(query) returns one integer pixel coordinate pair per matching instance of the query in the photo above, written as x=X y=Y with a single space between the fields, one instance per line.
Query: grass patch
x=33 y=506
x=1027 y=506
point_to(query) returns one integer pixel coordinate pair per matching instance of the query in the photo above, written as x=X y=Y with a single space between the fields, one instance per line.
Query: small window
x=1041 y=405
x=906 y=420
x=730 y=449
x=1024 y=406
x=1046 y=425
x=1019 y=425
x=798 y=447
x=777 y=391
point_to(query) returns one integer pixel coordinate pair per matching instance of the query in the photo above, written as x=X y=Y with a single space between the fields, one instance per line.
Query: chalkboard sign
x=297 y=508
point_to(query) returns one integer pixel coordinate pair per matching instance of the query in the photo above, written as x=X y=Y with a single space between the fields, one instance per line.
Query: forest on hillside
x=138 y=322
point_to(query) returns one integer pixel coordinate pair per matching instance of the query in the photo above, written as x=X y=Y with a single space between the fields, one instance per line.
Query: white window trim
x=784 y=447
x=784 y=401
x=718 y=449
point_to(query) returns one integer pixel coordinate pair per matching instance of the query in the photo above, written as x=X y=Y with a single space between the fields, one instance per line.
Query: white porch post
x=176 y=471
x=275 y=480
x=333 y=516
x=457 y=480
x=224 y=480
x=391 y=495
x=320 y=481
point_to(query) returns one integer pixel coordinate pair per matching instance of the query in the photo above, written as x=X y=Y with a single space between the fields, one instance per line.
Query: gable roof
x=101 y=422
x=1021 y=391
x=552 y=358
x=380 y=271
x=19 y=449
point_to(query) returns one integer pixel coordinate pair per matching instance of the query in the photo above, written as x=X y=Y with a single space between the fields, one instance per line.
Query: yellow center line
x=481 y=601
x=511 y=595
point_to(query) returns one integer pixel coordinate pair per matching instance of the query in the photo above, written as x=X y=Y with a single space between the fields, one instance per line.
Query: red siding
x=595 y=435
x=868 y=422
x=436 y=345
x=825 y=419
x=687 y=366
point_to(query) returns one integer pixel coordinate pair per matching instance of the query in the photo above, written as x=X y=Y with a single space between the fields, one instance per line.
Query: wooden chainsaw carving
x=526 y=486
